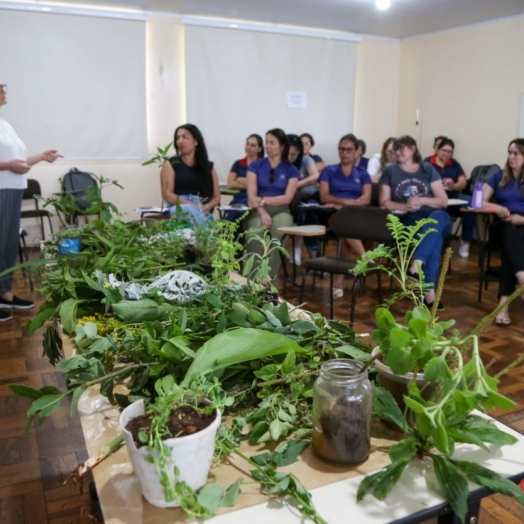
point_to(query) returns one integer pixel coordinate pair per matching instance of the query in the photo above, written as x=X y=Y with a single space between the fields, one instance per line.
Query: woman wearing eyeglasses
x=414 y=187
x=188 y=178
x=271 y=185
x=14 y=164
x=378 y=162
x=345 y=184
x=454 y=181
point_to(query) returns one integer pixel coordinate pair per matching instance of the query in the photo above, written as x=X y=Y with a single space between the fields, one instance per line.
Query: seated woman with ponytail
x=271 y=185
x=188 y=178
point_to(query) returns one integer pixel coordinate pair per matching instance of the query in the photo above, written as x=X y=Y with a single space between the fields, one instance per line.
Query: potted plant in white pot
x=171 y=441
x=447 y=385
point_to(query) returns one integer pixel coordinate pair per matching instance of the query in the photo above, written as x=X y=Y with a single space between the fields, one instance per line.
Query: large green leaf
x=406 y=449
x=45 y=406
x=382 y=482
x=387 y=408
x=25 y=391
x=489 y=479
x=436 y=370
x=237 y=346
x=68 y=315
x=400 y=361
x=138 y=310
x=353 y=352
x=453 y=485
x=488 y=432
x=229 y=498
x=400 y=338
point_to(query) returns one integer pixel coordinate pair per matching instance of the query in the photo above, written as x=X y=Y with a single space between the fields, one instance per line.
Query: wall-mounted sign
x=296 y=99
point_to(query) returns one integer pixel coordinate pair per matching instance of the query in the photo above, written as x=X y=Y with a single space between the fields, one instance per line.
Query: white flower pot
x=192 y=454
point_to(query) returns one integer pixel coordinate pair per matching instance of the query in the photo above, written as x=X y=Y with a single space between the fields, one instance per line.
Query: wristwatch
x=261 y=203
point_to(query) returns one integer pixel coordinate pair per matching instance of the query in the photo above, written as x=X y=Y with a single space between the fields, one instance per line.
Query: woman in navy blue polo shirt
x=454 y=182
x=236 y=179
x=271 y=186
x=506 y=188
x=345 y=184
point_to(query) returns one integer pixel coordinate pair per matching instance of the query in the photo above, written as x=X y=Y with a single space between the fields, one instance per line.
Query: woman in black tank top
x=189 y=177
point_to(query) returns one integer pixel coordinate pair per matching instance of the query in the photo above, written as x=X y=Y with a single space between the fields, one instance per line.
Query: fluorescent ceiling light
x=383 y=4
x=74 y=9
x=264 y=27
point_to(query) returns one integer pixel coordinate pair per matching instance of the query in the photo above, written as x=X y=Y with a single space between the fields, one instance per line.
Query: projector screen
x=76 y=84
x=241 y=82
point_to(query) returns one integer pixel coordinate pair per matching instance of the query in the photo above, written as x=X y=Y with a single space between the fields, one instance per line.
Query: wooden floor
x=33 y=467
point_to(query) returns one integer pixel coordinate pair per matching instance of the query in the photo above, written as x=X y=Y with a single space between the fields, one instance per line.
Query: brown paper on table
x=119 y=490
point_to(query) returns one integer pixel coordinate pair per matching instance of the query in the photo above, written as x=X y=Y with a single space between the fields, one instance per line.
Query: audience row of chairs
x=364 y=223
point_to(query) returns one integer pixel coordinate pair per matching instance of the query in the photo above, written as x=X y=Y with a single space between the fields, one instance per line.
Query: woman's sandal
x=502 y=319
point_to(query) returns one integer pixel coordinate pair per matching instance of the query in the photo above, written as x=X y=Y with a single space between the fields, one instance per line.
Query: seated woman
x=308 y=143
x=454 y=181
x=236 y=179
x=362 y=161
x=414 y=187
x=189 y=177
x=271 y=185
x=506 y=189
x=308 y=189
x=341 y=185
x=377 y=163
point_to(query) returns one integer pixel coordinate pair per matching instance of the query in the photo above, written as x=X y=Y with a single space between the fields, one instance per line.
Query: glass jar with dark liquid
x=342 y=408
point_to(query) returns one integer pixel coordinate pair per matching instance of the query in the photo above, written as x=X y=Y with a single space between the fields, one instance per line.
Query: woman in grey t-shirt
x=415 y=188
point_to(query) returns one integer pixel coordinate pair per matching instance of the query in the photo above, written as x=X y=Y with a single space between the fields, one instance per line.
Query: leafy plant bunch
x=258 y=362
x=66 y=204
x=439 y=414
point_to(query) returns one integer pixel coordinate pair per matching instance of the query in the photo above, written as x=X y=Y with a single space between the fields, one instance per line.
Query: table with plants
x=233 y=398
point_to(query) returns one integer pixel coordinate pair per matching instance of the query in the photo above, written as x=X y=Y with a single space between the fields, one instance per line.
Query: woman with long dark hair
x=415 y=188
x=254 y=149
x=271 y=186
x=188 y=178
x=507 y=190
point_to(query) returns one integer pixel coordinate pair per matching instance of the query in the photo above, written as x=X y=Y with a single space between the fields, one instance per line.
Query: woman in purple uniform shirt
x=342 y=185
x=507 y=191
x=271 y=185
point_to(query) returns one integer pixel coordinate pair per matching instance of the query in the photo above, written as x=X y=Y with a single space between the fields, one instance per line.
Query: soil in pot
x=345 y=435
x=183 y=421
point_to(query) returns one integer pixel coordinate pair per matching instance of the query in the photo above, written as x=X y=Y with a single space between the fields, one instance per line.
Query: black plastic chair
x=33 y=188
x=359 y=222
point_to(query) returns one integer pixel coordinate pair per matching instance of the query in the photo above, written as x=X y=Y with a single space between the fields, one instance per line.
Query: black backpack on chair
x=77 y=184
x=480 y=174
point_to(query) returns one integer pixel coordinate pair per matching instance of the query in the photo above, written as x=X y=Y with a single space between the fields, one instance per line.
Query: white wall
x=377 y=91
x=165 y=110
x=467 y=84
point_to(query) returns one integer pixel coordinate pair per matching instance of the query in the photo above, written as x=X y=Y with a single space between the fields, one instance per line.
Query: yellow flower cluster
x=104 y=325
